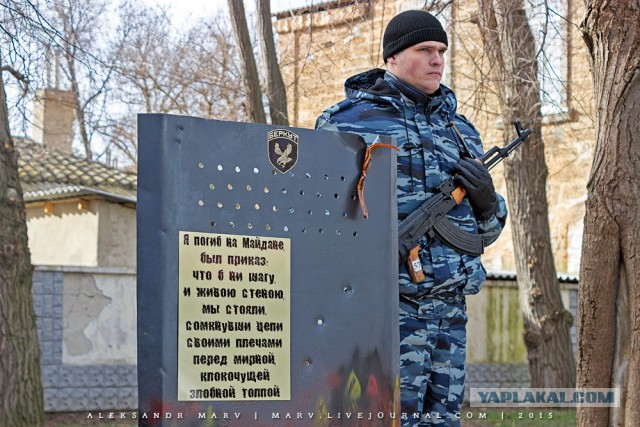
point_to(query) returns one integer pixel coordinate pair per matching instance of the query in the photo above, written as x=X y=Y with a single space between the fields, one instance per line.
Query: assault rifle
x=430 y=218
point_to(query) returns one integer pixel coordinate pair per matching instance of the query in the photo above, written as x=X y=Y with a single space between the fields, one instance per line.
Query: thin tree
x=609 y=293
x=251 y=80
x=79 y=23
x=215 y=90
x=145 y=81
x=276 y=92
x=509 y=41
x=202 y=79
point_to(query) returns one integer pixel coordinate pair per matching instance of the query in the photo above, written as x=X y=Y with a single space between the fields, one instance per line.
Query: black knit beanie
x=411 y=27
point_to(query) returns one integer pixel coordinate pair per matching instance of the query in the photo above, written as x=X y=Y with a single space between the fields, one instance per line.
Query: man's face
x=420 y=65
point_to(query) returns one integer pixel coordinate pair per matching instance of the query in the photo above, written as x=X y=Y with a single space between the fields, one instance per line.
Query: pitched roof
x=50 y=175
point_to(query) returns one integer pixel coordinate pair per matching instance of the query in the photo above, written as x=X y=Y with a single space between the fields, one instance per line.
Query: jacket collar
x=413 y=96
x=383 y=86
x=411 y=92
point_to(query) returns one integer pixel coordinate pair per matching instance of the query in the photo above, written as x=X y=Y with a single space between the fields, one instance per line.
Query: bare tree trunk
x=79 y=110
x=609 y=304
x=510 y=42
x=21 y=401
x=276 y=94
x=253 y=94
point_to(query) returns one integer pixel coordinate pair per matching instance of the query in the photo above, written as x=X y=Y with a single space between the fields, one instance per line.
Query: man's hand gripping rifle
x=430 y=217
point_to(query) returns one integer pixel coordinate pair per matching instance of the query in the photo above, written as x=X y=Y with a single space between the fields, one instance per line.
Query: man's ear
x=391 y=60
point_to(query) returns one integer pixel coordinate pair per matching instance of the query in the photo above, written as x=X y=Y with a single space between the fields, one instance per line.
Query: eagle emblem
x=283 y=149
x=284 y=155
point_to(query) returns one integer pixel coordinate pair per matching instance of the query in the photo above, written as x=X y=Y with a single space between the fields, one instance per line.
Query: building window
x=548 y=20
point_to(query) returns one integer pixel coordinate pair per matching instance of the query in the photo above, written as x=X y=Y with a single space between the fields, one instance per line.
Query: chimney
x=53 y=119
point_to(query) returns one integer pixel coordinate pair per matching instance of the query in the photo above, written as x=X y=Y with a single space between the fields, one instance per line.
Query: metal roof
x=511 y=275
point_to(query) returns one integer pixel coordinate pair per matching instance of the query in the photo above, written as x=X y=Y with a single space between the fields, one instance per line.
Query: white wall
x=99 y=317
x=68 y=236
x=103 y=235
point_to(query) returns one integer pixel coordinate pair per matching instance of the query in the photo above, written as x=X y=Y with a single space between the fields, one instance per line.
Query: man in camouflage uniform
x=408 y=103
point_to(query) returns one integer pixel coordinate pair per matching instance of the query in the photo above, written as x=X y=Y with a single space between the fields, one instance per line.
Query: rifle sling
x=462 y=241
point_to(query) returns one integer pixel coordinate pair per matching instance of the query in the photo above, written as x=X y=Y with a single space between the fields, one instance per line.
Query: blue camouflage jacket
x=424 y=128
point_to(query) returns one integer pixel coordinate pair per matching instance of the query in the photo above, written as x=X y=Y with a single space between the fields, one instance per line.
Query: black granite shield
x=195 y=175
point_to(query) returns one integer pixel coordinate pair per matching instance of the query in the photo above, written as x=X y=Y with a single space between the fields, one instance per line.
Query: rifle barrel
x=497 y=154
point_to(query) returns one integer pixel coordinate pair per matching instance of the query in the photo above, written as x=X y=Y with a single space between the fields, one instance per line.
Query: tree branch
x=15 y=74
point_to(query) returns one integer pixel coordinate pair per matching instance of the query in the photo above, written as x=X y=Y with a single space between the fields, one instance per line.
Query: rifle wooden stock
x=458 y=194
x=415 y=266
x=425 y=219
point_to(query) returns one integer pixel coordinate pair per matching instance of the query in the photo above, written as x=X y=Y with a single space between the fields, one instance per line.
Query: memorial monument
x=264 y=295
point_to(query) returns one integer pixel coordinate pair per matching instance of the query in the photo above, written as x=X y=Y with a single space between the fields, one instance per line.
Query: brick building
x=321 y=46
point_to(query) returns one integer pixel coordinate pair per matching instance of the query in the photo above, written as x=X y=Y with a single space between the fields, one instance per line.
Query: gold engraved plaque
x=233 y=317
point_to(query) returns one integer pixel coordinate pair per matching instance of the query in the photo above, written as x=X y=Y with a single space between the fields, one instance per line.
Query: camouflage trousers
x=432 y=361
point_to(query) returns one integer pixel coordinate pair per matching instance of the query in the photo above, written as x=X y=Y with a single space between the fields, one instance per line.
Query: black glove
x=475 y=178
